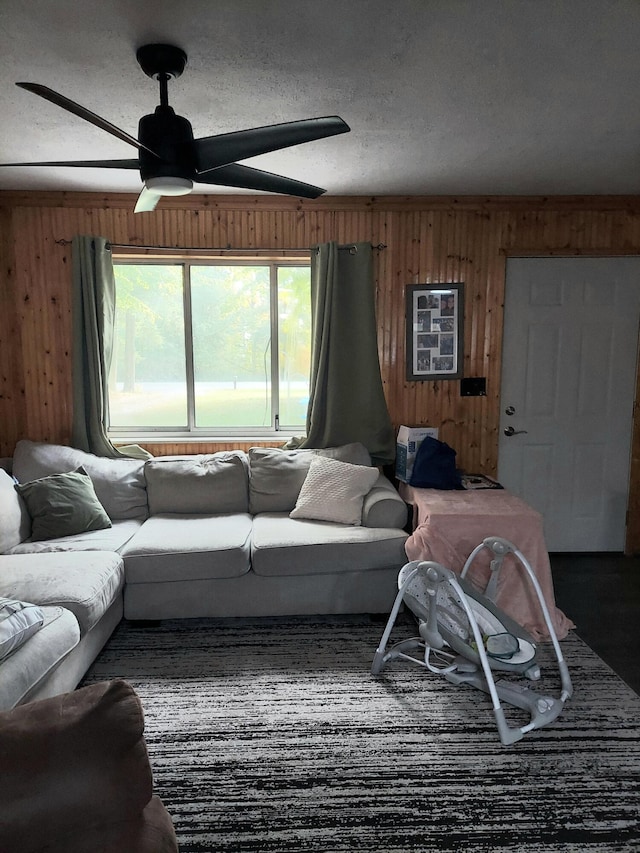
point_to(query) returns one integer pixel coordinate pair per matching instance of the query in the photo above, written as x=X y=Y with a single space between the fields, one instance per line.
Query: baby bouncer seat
x=465 y=637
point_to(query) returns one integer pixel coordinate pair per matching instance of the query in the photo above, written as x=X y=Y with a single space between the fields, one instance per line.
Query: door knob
x=511 y=431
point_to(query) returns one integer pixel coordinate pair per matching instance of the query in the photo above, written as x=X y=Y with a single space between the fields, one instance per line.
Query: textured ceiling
x=443 y=96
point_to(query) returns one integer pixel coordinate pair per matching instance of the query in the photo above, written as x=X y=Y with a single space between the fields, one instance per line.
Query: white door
x=567 y=393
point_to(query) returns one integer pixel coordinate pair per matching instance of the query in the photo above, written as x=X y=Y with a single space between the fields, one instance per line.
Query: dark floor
x=601 y=594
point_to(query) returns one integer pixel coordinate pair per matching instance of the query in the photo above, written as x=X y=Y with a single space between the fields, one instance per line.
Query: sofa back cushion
x=206 y=484
x=15 y=522
x=276 y=476
x=119 y=483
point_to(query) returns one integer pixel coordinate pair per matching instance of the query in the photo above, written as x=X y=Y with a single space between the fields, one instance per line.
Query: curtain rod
x=227 y=248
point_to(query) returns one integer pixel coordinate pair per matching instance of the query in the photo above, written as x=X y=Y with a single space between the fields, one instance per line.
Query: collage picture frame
x=435 y=331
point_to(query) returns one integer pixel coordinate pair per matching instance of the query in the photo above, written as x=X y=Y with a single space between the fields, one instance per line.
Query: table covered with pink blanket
x=449 y=524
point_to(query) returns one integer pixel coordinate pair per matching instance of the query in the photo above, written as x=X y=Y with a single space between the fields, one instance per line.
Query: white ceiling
x=443 y=97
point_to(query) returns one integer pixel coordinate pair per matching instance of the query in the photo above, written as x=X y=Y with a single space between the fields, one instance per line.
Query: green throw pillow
x=63 y=505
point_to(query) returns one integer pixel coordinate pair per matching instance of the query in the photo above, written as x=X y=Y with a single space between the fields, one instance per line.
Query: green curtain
x=93 y=306
x=346 y=401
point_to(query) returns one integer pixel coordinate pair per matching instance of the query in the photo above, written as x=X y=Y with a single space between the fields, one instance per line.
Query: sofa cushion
x=63 y=505
x=110 y=539
x=119 y=483
x=334 y=491
x=15 y=523
x=84 y=582
x=276 y=476
x=212 y=483
x=281 y=545
x=189 y=547
x=34 y=661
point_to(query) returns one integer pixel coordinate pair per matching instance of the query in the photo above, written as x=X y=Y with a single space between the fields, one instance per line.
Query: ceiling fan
x=170 y=160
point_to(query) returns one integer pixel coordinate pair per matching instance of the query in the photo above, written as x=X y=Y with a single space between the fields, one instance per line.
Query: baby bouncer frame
x=470 y=653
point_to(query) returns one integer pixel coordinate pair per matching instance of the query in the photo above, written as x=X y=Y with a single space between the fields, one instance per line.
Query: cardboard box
x=407 y=444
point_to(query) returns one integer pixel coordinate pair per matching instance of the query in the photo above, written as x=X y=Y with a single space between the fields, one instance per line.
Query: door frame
x=632 y=521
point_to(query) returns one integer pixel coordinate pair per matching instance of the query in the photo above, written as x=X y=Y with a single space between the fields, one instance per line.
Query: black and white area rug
x=272 y=736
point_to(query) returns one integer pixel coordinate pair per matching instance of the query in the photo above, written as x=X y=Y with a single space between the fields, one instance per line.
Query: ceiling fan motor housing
x=170 y=136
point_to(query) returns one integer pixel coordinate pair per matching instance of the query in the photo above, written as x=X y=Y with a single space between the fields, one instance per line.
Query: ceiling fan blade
x=147 y=201
x=82 y=112
x=244 y=177
x=85 y=164
x=226 y=148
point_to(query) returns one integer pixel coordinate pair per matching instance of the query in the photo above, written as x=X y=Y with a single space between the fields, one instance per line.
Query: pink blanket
x=449 y=525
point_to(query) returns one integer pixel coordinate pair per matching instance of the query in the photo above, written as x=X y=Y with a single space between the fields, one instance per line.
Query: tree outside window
x=195 y=347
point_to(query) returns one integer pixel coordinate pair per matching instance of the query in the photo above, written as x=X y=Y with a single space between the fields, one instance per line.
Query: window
x=210 y=348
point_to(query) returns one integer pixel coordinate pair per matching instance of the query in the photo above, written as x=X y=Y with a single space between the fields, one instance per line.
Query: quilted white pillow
x=334 y=491
x=18 y=621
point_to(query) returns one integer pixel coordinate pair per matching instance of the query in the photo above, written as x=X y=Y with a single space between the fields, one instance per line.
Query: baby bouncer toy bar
x=465 y=637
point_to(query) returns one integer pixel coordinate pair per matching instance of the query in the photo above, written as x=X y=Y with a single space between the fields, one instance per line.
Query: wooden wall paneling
x=12 y=393
x=266 y=231
x=591 y=225
x=418 y=252
x=428 y=240
x=621 y=230
x=391 y=318
x=423 y=410
x=452 y=421
x=59 y=354
x=385 y=307
x=447 y=252
x=44 y=316
x=626 y=231
x=198 y=228
x=589 y=228
x=468 y=254
x=595 y=230
x=404 y=409
x=345 y=227
x=213 y=229
x=31 y=333
x=193 y=226
x=443 y=248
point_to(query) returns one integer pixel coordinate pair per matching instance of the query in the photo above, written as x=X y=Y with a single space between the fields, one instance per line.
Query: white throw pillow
x=18 y=621
x=334 y=491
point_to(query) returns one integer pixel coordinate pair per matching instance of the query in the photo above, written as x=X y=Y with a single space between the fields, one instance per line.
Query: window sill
x=279 y=437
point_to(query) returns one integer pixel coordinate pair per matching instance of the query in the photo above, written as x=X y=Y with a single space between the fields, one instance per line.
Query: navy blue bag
x=435 y=466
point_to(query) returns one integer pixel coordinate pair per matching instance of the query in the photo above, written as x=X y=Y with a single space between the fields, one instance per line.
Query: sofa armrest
x=15 y=521
x=70 y=763
x=149 y=832
x=383 y=506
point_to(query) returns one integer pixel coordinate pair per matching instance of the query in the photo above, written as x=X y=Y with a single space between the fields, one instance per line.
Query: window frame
x=191 y=432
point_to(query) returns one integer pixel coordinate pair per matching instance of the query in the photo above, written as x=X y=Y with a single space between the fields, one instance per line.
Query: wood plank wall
x=428 y=240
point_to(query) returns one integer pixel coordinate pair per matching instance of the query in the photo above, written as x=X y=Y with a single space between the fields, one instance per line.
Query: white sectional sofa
x=266 y=533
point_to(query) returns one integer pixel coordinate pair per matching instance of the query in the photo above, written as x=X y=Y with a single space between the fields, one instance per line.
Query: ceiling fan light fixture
x=169 y=186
